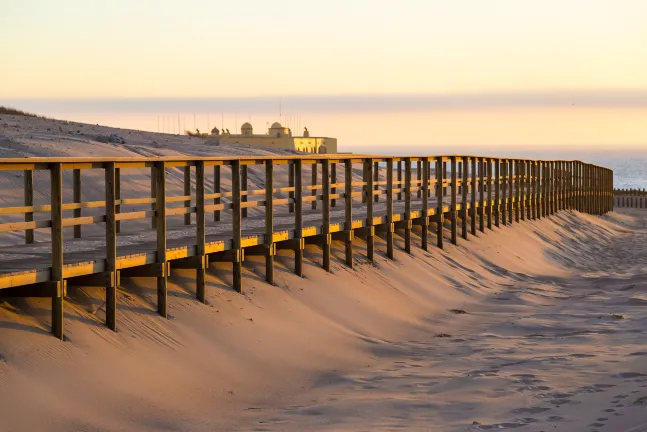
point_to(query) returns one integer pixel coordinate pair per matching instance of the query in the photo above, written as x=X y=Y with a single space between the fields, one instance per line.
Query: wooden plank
x=111 y=243
x=269 y=222
x=504 y=191
x=160 y=224
x=517 y=189
x=56 y=182
x=29 y=202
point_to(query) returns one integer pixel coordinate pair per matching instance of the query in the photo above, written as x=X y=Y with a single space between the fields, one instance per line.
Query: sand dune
x=551 y=338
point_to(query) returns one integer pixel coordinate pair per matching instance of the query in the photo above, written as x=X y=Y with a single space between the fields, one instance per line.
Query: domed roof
x=276 y=125
x=246 y=125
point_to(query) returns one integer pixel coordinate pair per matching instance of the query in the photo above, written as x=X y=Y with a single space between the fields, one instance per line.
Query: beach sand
x=551 y=339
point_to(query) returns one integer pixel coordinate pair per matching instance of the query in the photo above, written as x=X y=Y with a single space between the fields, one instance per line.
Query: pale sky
x=85 y=49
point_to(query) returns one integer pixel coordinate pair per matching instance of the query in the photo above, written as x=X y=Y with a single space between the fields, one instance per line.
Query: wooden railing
x=223 y=219
x=631 y=198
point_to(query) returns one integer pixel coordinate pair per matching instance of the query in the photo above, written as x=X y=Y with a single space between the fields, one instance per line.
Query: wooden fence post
x=118 y=197
x=298 y=216
x=368 y=166
x=348 y=211
x=216 y=190
x=237 y=224
x=29 y=202
x=314 y=183
x=325 y=229
x=187 y=192
x=453 y=201
x=58 y=292
x=200 y=231
x=244 y=188
x=76 y=198
x=425 y=204
x=160 y=218
x=464 y=189
x=440 y=208
x=269 y=221
x=473 y=208
x=111 y=245
x=407 y=205
x=389 y=206
x=490 y=204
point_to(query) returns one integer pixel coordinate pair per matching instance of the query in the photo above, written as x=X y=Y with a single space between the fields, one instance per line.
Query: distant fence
x=630 y=198
x=222 y=219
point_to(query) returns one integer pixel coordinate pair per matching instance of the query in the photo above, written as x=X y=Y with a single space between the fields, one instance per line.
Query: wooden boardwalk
x=347 y=196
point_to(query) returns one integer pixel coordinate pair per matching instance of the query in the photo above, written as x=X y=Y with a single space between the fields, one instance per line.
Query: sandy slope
x=358 y=350
x=376 y=348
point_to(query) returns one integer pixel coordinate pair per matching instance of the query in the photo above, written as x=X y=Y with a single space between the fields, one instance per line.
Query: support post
x=216 y=190
x=187 y=192
x=490 y=204
x=76 y=198
x=298 y=216
x=269 y=221
x=111 y=244
x=243 y=187
x=473 y=207
x=407 y=205
x=389 y=207
x=348 y=211
x=333 y=181
x=504 y=191
x=325 y=228
x=314 y=183
x=497 y=192
x=440 y=207
x=118 y=196
x=160 y=217
x=200 y=231
x=482 y=179
x=291 y=185
x=237 y=225
x=56 y=176
x=453 y=201
x=464 y=187
x=369 y=176
x=29 y=202
x=425 y=204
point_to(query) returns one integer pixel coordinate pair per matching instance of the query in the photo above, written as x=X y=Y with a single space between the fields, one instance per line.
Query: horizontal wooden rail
x=323 y=198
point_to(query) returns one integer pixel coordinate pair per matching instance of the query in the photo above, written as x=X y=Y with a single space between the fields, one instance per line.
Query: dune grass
x=13 y=111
